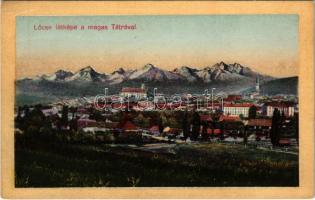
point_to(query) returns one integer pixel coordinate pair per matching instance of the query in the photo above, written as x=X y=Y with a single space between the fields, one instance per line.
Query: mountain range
x=228 y=78
x=150 y=73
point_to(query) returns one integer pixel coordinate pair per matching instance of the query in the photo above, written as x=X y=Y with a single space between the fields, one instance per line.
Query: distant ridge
x=226 y=78
x=280 y=86
x=150 y=73
x=288 y=85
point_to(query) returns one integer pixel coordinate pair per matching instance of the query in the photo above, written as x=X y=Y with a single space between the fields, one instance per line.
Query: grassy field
x=209 y=164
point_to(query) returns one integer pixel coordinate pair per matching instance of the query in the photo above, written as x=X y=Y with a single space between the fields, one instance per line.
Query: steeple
x=257 y=84
x=143 y=86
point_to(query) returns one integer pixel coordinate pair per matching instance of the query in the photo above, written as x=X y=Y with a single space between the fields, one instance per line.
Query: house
x=111 y=125
x=259 y=122
x=231 y=98
x=284 y=142
x=222 y=118
x=127 y=126
x=259 y=126
x=205 y=118
x=94 y=130
x=214 y=131
x=229 y=118
x=237 y=109
x=138 y=93
x=155 y=130
x=171 y=131
x=209 y=105
x=286 y=108
x=50 y=111
x=82 y=123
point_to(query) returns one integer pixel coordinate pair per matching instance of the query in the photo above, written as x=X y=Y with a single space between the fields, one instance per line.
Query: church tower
x=143 y=86
x=257 y=84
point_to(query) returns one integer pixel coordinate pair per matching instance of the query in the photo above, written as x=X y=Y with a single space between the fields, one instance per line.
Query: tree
x=34 y=120
x=142 y=121
x=245 y=135
x=185 y=125
x=73 y=110
x=222 y=128
x=215 y=116
x=26 y=111
x=296 y=117
x=64 y=116
x=204 y=132
x=74 y=124
x=293 y=127
x=275 y=127
x=19 y=118
x=252 y=112
x=160 y=125
x=195 y=126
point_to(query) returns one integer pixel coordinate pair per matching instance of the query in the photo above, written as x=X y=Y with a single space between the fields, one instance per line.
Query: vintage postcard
x=159 y=100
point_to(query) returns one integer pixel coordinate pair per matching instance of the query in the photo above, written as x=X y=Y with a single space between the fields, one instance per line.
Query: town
x=213 y=101
x=136 y=116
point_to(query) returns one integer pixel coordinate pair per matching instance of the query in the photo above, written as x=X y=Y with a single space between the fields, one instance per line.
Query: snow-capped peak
x=149 y=66
x=218 y=72
x=187 y=72
x=151 y=73
x=87 y=74
x=119 y=71
x=87 y=69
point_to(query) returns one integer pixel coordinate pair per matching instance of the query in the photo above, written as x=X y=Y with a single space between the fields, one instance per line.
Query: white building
x=138 y=93
x=237 y=109
x=50 y=111
x=287 y=108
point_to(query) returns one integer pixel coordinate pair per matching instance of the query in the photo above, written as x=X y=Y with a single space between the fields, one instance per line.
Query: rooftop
x=133 y=90
x=238 y=105
x=280 y=104
x=259 y=122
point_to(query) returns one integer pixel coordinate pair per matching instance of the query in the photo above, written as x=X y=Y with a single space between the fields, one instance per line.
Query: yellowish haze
x=265 y=43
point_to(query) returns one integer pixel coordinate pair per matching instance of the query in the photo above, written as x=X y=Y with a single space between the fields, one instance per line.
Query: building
x=82 y=123
x=261 y=127
x=257 y=85
x=257 y=89
x=205 y=118
x=138 y=93
x=127 y=126
x=50 y=111
x=233 y=97
x=229 y=118
x=260 y=123
x=286 y=108
x=171 y=131
x=214 y=131
x=237 y=109
x=154 y=130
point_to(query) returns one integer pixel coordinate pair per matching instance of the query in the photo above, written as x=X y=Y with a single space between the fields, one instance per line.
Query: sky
x=266 y=43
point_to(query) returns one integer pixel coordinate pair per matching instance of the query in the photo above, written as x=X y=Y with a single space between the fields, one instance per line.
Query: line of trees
x=192 y=128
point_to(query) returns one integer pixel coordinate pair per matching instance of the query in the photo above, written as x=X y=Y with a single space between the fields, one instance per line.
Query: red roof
x=238 y=104
x=280 y=104
x=260 y=122
x=128 y=125
x=229 y=118
x=215 y=131
x=233 y=98
x=132 y=90
x=284 y=141
x=205 y=118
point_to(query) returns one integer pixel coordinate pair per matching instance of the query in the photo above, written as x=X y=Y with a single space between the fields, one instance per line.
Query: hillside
x=281 y=86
